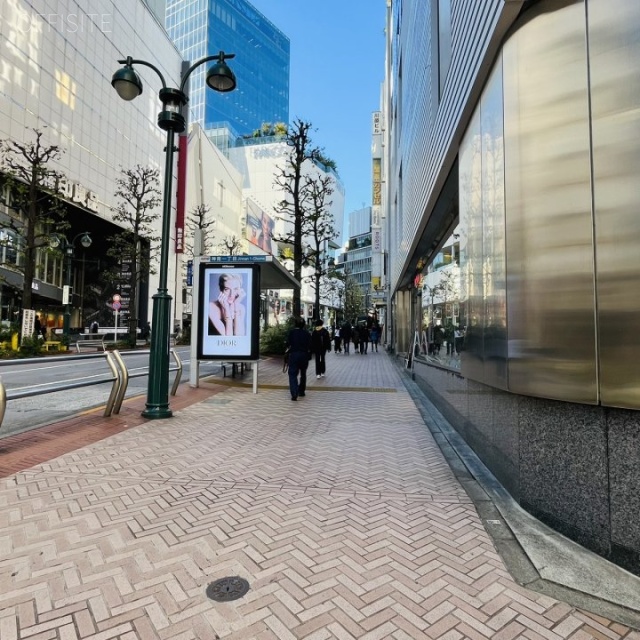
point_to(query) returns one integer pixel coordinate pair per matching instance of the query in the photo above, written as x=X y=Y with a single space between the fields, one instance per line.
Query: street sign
x=116 y=298
x=116 y=306
x=236 y=259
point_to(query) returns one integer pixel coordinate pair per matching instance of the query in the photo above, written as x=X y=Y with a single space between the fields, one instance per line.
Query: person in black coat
x=320 y=344
x=299 y=345
x=345 y=334
x=39 y=329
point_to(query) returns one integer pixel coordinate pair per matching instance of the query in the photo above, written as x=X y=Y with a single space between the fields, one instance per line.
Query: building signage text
x=377 y=182
x=75 y=192
x=377 y=122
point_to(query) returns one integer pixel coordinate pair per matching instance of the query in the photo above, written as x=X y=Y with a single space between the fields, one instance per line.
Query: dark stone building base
x=575 y=467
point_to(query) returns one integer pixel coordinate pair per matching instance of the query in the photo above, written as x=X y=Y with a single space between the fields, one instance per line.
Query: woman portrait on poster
x=264 y=239
x=227 y=312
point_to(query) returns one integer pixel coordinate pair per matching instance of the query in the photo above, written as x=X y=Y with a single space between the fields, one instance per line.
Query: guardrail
x=119 y=378
x=90 y=340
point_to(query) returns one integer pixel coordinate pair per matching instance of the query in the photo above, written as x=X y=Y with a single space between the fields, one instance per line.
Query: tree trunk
x=317 y=302
x=29 y=250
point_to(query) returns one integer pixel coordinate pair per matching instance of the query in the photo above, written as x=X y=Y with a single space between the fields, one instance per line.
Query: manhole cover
x=227 y=589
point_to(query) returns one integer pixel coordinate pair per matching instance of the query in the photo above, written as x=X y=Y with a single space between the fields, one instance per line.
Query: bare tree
x=319 y=226
x=449 y=288
x=231 y=244
x=294 y=204
x=36 y=197
x=200 y=219
x=138 y=191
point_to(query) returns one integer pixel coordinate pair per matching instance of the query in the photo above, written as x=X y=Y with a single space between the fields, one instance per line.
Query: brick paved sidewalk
x=339 y=510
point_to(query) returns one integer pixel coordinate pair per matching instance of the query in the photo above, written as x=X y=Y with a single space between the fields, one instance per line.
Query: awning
x=272 y=274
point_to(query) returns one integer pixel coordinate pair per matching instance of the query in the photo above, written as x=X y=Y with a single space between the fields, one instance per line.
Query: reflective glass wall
x=614 y=65
x=549 y=205
x=261 y=65
x=482 y=227
x=550 y=253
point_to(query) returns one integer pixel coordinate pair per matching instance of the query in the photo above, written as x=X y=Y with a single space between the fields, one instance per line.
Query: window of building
x=444 y=41
x=9 y=242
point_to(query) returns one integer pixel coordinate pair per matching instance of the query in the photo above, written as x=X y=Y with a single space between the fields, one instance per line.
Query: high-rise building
x=358 y=252
x=204 y=27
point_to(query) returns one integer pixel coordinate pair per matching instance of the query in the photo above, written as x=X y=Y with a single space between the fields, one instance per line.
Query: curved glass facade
x=546 y=168
x=547 y=195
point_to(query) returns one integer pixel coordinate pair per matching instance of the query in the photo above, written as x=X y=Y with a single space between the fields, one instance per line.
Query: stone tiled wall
x=576 y=467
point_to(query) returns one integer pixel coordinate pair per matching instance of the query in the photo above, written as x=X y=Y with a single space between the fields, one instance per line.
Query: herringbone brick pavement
x=339 y=510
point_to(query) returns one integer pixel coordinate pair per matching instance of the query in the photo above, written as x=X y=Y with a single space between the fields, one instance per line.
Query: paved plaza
x=339 y=510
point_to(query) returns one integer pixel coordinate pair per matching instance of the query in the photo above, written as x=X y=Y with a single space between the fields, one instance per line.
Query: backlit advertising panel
x=228 y=312
x=259 y=227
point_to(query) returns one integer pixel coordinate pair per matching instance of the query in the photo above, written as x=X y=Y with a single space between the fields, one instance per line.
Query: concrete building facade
x=260 y=161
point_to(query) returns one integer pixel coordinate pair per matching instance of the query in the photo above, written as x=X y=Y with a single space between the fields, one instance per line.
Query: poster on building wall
x=259 y=227
x=229 y=312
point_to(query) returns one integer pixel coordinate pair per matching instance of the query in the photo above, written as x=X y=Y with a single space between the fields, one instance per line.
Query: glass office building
x=205 y=27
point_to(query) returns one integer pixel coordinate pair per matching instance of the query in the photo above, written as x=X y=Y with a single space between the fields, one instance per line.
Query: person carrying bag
x=320 y=344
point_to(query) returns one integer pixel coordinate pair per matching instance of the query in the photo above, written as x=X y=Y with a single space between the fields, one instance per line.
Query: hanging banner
x=181 y=189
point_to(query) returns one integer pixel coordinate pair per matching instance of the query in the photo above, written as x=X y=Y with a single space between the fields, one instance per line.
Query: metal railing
x=119 y=378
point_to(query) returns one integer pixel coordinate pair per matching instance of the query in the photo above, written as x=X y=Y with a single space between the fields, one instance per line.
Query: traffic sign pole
x=116 y=304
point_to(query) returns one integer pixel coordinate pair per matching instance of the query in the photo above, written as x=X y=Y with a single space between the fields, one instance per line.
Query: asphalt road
x=23 y=414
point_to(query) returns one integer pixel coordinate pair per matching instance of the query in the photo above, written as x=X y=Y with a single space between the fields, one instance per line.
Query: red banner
x=181 y=191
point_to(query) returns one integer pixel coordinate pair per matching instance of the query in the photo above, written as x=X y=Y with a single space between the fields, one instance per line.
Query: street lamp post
x=59 y=241
x=129 y=86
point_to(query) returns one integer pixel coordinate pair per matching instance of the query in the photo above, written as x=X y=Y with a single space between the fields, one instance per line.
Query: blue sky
x=337 y=67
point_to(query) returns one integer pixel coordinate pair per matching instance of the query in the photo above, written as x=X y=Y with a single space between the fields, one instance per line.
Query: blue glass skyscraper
x=203 y=27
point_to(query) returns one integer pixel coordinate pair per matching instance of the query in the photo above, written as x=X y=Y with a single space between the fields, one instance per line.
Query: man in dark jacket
x=299 y=344
x=345 y=334
x=320 y=344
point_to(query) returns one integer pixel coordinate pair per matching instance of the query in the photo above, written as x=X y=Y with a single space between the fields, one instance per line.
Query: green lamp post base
x=157 y=405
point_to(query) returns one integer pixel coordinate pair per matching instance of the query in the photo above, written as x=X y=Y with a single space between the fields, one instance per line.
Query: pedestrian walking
x=458 y=338
x=438 y=339
x=374 y=336
x=299 y=344
x=364 y=339
x=39 y=329
x=320 y=344
x=345 y=335
x=355 y=338
x=145 y=332
x=448 y=337
x=337 y=340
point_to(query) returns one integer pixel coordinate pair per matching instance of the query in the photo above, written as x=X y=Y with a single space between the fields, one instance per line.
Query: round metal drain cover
x=227 y=589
